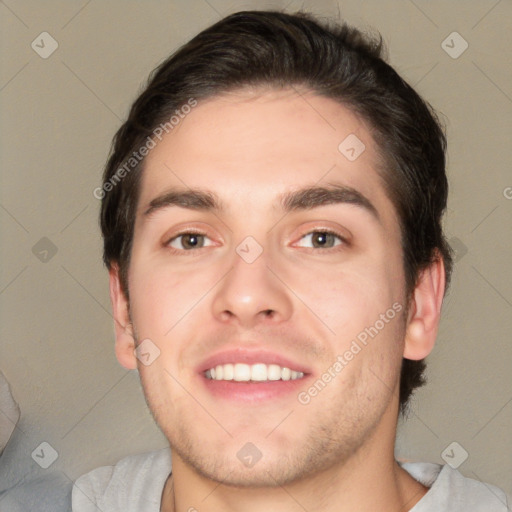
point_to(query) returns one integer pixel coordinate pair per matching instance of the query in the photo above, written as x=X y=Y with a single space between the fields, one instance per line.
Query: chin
x=271 y=465
x=231 y=472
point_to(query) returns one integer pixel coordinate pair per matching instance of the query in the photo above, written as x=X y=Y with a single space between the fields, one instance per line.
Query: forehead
x=256 y=144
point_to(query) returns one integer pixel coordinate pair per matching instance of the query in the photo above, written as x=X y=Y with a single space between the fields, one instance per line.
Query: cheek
x=350 y=297
x=163 y=394
x=160 y=297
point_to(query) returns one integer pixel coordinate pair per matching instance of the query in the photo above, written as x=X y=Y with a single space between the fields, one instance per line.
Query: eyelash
x=342 y=239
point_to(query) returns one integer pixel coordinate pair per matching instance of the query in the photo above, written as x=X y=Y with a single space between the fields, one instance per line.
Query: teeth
x=242 y=372
x=260 y=372
x=273 y=372
x=229 y=372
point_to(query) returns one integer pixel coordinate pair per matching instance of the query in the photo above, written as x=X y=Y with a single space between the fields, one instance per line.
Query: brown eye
x=321 y=240
x=188 y=241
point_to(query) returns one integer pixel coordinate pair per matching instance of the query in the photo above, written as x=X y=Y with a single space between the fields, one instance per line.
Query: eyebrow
x=313 y=197
x=193 y=199
x=303 y=199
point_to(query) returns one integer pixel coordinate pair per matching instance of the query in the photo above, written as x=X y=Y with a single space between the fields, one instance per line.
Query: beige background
x=58 y=117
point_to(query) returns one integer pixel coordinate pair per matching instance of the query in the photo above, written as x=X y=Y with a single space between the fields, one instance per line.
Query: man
x=272 y=225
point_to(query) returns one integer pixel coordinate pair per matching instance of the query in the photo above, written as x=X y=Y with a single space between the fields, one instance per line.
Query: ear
x=425 y=311
x=125 y=341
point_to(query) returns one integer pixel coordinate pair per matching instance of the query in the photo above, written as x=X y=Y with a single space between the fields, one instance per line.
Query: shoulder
x=452 y=491
x=134 y=483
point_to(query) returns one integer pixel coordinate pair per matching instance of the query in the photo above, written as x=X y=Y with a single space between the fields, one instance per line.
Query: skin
x=337 y=452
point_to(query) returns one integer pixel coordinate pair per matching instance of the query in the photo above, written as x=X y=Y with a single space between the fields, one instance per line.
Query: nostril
x=227 y=314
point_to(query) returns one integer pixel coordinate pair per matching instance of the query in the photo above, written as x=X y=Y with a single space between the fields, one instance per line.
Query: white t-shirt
x=135 y=484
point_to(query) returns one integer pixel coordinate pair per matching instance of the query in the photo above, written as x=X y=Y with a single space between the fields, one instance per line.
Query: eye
x=188 y=241
x=321 y=239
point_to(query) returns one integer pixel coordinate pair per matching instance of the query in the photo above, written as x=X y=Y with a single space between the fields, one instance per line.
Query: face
x=276 y=312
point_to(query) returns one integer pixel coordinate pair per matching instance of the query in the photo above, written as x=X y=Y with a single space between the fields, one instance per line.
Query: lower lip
x=250 y=392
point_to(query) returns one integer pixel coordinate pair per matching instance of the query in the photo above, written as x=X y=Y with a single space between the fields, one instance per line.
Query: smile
x=259 y=372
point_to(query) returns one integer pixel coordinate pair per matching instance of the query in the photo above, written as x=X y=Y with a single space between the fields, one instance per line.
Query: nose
x=252 y=293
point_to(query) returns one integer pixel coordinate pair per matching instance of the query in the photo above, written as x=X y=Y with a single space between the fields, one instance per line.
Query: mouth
x=252 y=377
x=259 y=372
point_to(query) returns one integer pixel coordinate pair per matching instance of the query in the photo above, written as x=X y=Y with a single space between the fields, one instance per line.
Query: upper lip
x=238 y=355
